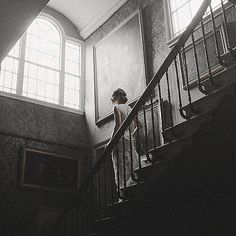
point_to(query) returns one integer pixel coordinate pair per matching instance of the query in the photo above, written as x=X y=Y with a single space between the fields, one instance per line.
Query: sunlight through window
x=72 y=75
x=42 y=56
x=40 y=66
x=182 y=12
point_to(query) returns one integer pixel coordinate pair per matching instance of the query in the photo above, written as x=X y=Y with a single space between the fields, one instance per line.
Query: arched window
x=45 y=65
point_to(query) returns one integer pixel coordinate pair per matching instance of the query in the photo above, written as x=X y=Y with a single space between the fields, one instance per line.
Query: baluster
x=226 y=30
x=200 y=87
x=131 y=153
x=187 y=81
x=124 y=161
x=138 y=141
x=118 y=169
x=169 y=98
x=219 y=58
x=105 y=183
x=178 y=84
x=112 y=187
x=184 y=115
x=153 y=124
x=146 y=133
x=162 y=109
x=206 y=53
x=186 y=75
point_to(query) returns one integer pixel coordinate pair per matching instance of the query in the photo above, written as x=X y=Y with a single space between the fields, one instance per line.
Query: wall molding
x=99 y=21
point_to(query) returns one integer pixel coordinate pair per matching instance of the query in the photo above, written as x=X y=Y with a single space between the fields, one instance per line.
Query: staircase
x=186 y=177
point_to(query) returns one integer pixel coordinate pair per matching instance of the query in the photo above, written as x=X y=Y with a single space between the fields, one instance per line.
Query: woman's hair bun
x=120 y=93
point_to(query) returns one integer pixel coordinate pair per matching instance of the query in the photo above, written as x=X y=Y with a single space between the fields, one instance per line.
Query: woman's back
x=124 y=111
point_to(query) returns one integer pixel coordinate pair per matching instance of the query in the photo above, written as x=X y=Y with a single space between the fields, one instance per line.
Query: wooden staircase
x=188 y=186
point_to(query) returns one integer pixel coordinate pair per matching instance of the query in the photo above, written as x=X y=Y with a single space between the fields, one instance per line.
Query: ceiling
x=87 y=15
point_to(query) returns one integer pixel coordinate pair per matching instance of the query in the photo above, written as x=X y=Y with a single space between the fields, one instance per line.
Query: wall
x=25 y=124
x=15 y=17
x=69 y=28
x=156 y=51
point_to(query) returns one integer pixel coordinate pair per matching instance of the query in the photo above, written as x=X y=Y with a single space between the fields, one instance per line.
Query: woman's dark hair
x=121 y=94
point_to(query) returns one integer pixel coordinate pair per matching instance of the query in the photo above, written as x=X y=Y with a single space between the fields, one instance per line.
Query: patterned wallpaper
x=19 y=207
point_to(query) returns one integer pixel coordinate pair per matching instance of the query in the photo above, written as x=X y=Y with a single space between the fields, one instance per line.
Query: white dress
x=121 y=155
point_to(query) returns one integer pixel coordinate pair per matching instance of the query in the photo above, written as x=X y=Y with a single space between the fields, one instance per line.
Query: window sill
x=41 y=103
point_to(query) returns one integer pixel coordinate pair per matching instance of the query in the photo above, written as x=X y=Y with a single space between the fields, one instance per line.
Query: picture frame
x=47 y=171
x=119 y=62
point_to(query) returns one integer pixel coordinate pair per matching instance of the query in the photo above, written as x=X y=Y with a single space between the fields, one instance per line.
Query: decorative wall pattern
x=19 y=207
x=35 y=121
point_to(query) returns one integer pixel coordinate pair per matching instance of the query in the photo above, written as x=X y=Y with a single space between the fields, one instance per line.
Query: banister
x=146 y=94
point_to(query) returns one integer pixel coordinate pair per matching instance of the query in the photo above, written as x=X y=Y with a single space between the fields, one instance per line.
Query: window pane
x=177 y=4
x=72 y=91
x=72 y=76
x=41 y=83
x=8 y=75
x=182 y=11
x=184 y=17
x=43 y=44
x=73 y=58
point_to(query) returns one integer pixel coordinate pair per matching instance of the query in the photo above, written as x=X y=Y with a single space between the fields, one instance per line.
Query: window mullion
x=62 y=73
x=20 y=78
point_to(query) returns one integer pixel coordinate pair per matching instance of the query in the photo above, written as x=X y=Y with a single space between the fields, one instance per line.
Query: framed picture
x=48 y=171
x=119 y=62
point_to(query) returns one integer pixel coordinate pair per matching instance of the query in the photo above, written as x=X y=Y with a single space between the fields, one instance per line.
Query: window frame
x=20 y=75
x=171 y=38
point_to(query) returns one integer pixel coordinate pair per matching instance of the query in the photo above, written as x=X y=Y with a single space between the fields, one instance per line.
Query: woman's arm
x=138 y=125
x=117 y=120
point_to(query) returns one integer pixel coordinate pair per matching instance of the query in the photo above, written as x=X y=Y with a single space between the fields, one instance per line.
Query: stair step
x=122 y=206
x=170 y=150
x=153 y=171
x=104 y=224
x=208 y=102
x=134 y=191
x=187 y=128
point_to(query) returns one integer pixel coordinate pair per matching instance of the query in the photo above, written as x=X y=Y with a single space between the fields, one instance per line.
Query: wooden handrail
x=144 y=97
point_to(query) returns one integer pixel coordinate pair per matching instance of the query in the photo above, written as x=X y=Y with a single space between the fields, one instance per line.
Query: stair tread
x=105 y=219
x=121 y=204
x=218 y=92
x=195 y=120
x=152 y=166
x=169 y=145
